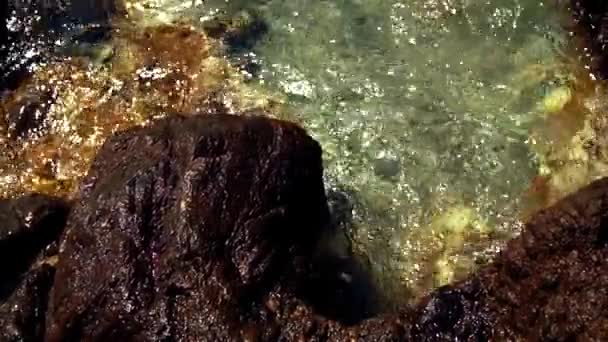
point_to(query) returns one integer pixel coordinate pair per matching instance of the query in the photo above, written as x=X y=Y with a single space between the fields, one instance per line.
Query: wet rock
x=549 y=284
x=207 y=228
x=95 y=11
x=452 y=314
x=22 y=314
x=28 y=225
x=184 y=227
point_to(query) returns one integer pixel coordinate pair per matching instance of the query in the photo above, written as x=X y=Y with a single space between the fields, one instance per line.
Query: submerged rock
x=37 y=26
x=25 y=111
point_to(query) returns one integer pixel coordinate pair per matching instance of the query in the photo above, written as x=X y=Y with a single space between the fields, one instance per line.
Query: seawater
x=424 y=110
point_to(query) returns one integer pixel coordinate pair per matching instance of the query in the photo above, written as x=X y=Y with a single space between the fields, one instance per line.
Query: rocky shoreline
x=215 y=227
x=207 y=228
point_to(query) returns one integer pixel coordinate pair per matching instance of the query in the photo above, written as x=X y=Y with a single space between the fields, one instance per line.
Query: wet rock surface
x=184 y=227
x=22 y=314
x=550 y=283
x=28 y=226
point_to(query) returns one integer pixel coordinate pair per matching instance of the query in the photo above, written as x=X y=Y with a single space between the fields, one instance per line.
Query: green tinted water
x=422 y=108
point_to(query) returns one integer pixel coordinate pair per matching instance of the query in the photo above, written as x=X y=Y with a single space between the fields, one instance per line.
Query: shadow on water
x=340 y=285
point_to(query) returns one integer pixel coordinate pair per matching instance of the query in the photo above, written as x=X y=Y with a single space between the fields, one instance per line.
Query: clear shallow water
x=423 y=108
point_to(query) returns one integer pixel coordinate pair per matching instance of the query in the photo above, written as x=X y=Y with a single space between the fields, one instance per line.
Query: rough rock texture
x=28 y=228
x=183 y=227
x=551 y=283
x=28 y=225
x=22 y=314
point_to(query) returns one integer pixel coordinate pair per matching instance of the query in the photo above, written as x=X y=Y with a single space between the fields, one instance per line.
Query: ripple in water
x=423 y=109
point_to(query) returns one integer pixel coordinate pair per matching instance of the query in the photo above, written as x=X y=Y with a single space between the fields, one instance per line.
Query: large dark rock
x=551 y=283
x=185 y=227
x=29 y=228
x=28 y=225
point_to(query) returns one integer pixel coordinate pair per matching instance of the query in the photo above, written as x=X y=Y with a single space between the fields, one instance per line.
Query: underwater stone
x=240 y=32
x=89 y=11
x=37 y=26
x=387 y=167
x=556 y=99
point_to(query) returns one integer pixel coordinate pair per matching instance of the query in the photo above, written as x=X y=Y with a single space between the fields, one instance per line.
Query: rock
x=95 y=11
x=22 y=314
x=28 y=225
x=551 y=282
x=548 y=284
x=454 y=314
x=240 y=32
x=184 y=227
